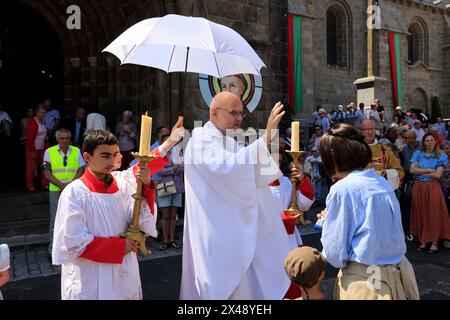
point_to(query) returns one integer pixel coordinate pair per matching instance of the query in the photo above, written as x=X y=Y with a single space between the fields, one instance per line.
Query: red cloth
x=294 y=292
x=306 y=189
x=105 y=250
x=32 y=130
x=289 y=223
x=32 y=166
x=276 y=183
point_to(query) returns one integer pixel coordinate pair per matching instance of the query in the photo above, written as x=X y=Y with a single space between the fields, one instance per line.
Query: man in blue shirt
x=405 y=197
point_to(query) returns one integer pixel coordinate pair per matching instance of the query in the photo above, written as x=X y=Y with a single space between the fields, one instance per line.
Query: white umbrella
x=175 y=43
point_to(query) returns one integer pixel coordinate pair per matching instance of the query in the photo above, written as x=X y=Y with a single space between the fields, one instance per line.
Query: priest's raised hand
x=272 y=122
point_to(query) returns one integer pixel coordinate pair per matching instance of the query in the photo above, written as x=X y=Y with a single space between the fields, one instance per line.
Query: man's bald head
x=223 y=98
x=226 y=111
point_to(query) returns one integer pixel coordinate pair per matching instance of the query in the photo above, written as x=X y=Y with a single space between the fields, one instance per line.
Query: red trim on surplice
x=94 y=184
x=276 y=183
x=157 y=163
x=306 y=189
x=105 y=250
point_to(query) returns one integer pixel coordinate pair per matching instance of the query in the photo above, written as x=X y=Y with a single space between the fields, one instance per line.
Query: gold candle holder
x=293 y=208
x=134 y=233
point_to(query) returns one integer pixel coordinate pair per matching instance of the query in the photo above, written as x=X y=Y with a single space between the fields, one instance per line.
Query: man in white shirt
x=418 y=130
x=95 y=121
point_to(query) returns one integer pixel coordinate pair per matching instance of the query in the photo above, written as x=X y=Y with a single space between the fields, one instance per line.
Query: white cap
x=127 y=113
x=340 y=107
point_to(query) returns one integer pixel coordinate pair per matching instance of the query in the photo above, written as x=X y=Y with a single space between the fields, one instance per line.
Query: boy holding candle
x=281 y=193
x=93 y=212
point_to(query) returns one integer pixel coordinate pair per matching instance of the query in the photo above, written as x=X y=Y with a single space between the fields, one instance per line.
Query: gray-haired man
x=63 y=163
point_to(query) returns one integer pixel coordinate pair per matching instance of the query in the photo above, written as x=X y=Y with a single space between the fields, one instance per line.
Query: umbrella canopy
x=175 y=43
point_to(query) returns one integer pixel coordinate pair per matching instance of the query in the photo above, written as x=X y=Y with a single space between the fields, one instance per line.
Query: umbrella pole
x=183 y=86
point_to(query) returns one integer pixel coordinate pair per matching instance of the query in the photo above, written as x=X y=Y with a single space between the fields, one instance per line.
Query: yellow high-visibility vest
x=63 y=173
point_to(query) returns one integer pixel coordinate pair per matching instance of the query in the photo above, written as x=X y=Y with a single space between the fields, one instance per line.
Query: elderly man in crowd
x=63 y=163
x=405 y=197
x=383 y=160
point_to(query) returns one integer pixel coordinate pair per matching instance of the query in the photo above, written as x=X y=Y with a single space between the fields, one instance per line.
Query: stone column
x=371 y=87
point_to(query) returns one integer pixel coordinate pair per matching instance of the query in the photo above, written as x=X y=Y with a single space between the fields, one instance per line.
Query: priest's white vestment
x=234 y=245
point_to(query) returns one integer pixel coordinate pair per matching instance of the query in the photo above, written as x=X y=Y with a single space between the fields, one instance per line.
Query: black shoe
x=163 y=246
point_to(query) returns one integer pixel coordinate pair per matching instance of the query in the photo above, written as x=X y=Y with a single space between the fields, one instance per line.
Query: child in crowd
x=305 y=266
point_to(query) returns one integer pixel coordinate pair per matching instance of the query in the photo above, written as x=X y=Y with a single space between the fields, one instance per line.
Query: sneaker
x=409 y=237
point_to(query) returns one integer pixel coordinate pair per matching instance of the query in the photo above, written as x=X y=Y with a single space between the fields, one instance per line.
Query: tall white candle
x=146 y=135
x=295 y=136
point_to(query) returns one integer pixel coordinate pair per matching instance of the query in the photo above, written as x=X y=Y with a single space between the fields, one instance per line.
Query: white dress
x=4 y=260
x=83 y=214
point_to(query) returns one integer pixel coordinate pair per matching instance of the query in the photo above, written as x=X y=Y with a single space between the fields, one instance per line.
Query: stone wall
x=426 y=76
x=92 y=75
x=329 y=86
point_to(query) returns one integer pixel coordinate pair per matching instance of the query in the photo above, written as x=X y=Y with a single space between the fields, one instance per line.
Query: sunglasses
x=65 y=161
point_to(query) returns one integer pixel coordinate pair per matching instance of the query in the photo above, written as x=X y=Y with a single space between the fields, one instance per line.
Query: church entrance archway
x=32 y=69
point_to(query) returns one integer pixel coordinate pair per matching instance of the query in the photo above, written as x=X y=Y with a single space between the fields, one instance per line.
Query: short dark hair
x=96 y=138
x=343 y=148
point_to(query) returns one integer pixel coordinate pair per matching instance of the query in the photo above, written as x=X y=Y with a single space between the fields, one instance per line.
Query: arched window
x=339 y=35
x=417 y=42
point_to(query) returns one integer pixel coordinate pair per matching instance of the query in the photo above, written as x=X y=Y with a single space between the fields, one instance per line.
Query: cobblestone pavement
x=34 y=261
x=34 y=277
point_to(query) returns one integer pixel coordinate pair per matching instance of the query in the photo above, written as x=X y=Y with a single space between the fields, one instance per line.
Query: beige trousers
x=384 y=282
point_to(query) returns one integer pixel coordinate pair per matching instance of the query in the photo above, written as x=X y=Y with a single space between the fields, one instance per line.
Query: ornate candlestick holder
x=134 y=233
x=293 y=208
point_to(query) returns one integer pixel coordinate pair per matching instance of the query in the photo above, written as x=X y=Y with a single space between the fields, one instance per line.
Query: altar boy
x=92 y=213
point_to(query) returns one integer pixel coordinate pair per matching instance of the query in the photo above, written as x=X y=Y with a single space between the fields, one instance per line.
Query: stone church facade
x=425 y=51
x=92 y=76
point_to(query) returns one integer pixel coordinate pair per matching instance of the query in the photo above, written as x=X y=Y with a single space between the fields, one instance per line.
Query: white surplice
x=234 y=244
x=282 y=196
x=83 y=214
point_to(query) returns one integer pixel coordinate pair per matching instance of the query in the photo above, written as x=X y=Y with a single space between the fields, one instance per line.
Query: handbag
x=166 y=189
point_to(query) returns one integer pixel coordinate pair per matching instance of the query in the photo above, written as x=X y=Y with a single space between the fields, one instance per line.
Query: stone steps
x=24 y=227
x=36 y=211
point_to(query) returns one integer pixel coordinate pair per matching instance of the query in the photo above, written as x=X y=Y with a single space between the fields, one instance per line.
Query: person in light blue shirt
x=429 y=215
x=362 y=228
